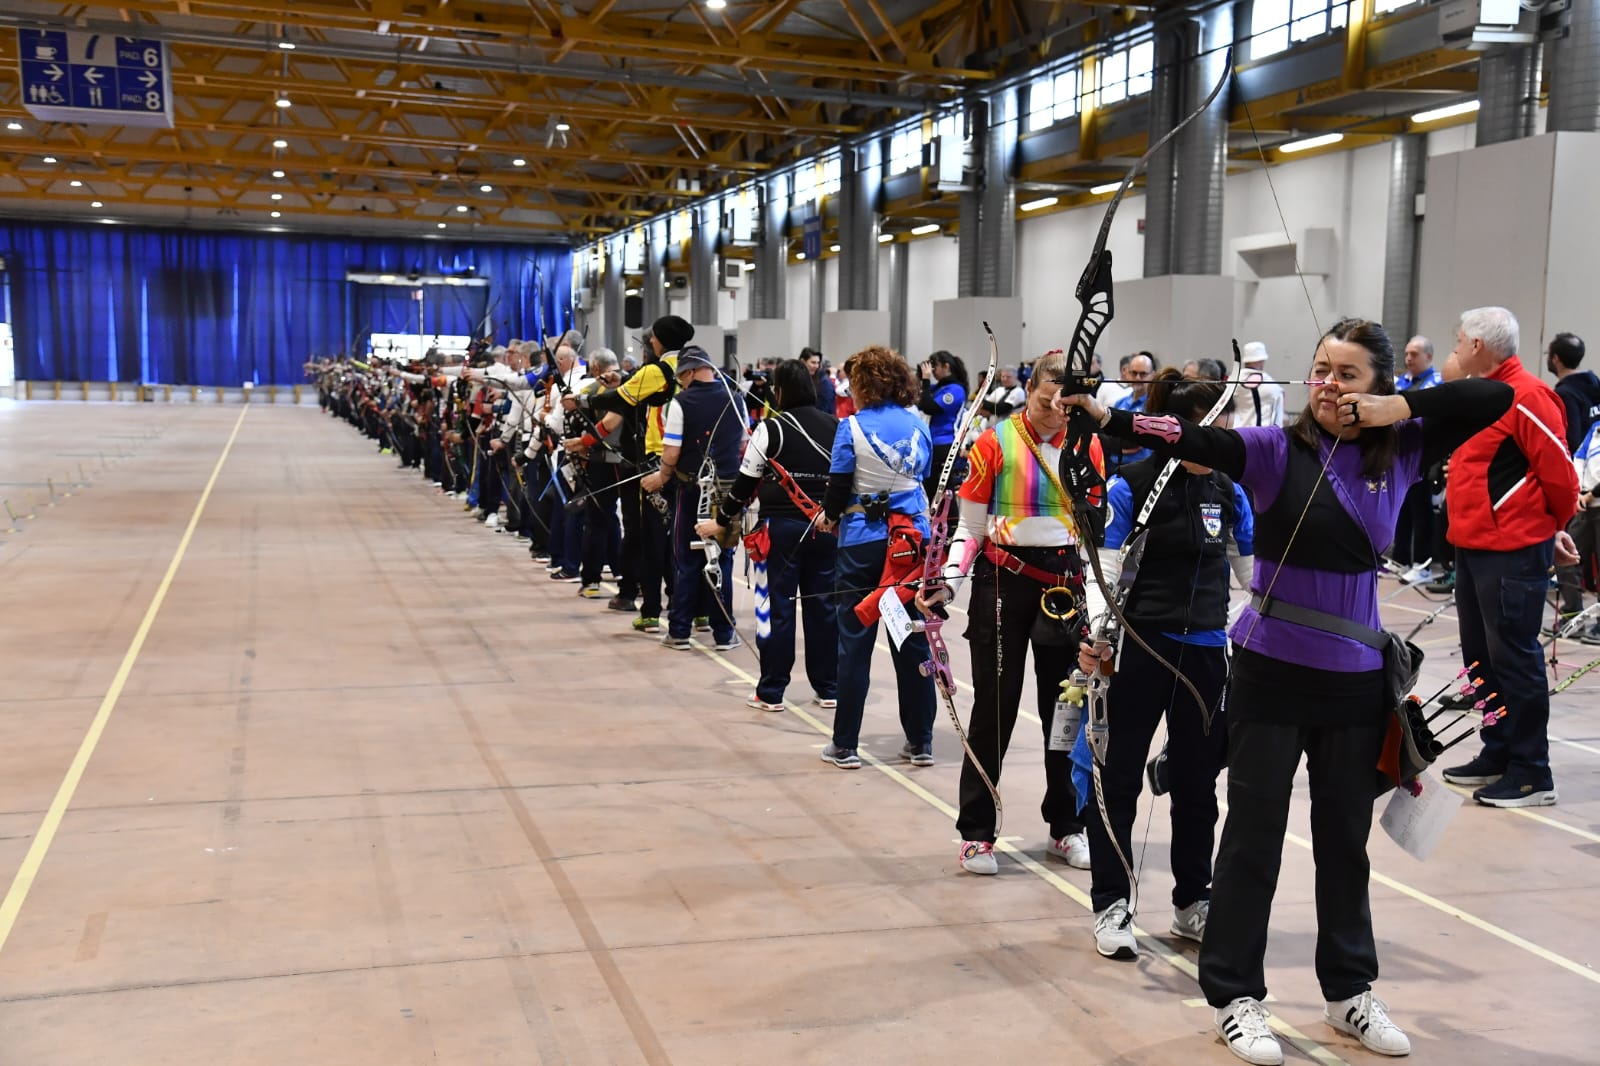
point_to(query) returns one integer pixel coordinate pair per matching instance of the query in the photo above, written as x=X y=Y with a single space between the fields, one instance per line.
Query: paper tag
x=1064 y=725
x=1417 y=823
x=895 y=617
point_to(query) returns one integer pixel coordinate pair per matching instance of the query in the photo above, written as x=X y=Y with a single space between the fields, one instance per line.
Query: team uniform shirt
x=1020 y=504
x=886 y=449
x=1134 y=404
x=1587 y=460
x=948 y=399
x=1122 y=514
x=645 y=383
x=1425 y=380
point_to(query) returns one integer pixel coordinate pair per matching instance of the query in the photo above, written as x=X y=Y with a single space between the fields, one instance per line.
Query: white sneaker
x=492 y=522
x=760 y=704
x=1072 y=849
x=1243 y=1024
x=1190 y=922
x=1366 y=1018
x=977 y=857
x=1113 y=932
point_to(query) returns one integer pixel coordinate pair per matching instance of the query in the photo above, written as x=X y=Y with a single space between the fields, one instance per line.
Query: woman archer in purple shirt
x=1328 y=489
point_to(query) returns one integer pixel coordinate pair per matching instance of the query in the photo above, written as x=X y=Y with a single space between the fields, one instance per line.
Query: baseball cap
x=693 y=358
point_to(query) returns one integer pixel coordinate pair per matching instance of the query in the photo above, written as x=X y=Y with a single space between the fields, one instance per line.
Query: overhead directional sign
x=94 y=78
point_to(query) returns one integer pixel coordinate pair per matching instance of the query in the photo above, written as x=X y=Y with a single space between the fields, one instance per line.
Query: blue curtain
x=182 y=307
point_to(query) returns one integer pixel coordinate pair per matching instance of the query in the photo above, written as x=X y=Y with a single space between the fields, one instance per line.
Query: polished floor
x=351 y=782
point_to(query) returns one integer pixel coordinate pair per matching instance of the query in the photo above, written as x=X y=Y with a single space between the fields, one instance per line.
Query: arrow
x=148 y=79
x=93 y=75
x=55 y=72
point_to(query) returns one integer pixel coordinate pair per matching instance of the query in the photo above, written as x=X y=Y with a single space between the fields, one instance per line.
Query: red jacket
x=1514 y=484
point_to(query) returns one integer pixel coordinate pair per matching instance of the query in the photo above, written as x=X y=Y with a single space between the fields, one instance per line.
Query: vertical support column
x=1508 y=93
x=814 y=324
x=772 y=256
x=616 y=333
x=703 y=231
x=858 y=228
x=1575 y=71
x=1406 y=164
x=899 y=293
x=1161 y=174
x=997 y=270
x=1202 y=149
x=968 y=252
x=654 y=292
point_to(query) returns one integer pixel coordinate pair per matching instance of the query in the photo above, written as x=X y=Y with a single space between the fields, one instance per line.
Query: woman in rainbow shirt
x=1017 y=537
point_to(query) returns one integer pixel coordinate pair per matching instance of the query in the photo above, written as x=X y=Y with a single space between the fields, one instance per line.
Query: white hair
x=1495 y=327
x=602 y=359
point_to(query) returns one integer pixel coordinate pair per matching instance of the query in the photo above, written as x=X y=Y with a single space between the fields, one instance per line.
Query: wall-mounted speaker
x=633 y=312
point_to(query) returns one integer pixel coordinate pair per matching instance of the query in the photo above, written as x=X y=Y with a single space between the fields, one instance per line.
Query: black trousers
x=1142 y=691
x=1413 y=533
x=999 y=654
x=1262 y=759
x=632 y=540
x=655 y=553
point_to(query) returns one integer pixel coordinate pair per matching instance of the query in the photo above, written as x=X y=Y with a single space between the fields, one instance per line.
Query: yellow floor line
x=1307 y=1046
x=46 y=835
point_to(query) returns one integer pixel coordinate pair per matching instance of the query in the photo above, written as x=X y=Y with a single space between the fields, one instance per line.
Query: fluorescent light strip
x=932 y=227
x=1101 y=190
x=885 y=238
x=1042 y=202
x=1310 y=143
x=1452 y=111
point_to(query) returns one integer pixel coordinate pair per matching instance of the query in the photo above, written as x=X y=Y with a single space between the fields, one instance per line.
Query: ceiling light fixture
x=1451 y=111
x=75 y=183
x=287 y=46
x=1108 y=187
x=833 y=247
x=282 y=101
x=1042 y=202
x=630 y=292
x=277 y=173
x=441 y=225
x=800 y=256
x=920 y=231
x=277 y=214
x=1310 y=143
x=49 y=159
x=519 y=162
x=562 y=125
x=277 y=196
x=13 y=125
x=462 y=208
x=280 y=143
x=486 y=188
x=716 y=5
x=885 y=238
x=97 y=203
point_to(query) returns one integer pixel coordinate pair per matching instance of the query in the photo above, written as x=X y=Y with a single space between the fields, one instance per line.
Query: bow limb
x=935 y=550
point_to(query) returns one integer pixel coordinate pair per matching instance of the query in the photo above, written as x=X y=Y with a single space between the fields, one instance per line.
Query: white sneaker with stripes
x=1243 y=1024
x=1366 y=1018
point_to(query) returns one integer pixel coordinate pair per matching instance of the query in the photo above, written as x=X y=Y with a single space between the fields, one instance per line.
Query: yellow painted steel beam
x=1359 y=18
x=616 y=36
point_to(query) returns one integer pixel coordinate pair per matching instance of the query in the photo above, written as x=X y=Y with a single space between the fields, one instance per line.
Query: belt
x=1006 y=561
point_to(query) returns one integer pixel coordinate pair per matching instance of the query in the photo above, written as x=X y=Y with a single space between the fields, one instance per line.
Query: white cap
x=1254 y=352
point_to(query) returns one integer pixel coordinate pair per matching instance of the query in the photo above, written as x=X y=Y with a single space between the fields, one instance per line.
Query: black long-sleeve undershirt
x=1450 y=413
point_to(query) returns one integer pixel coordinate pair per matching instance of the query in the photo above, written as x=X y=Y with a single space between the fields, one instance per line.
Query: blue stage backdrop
x=180 y=307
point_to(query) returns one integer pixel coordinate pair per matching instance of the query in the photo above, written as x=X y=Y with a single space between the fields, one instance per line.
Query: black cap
x=673 y=332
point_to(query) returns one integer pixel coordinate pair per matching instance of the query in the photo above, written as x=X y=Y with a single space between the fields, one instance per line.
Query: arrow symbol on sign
x=148 y=79
x=93 y=75
x=55 y=72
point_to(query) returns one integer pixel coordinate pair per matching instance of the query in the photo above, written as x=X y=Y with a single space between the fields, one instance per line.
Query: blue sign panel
x=811 y=237
x=94 y=78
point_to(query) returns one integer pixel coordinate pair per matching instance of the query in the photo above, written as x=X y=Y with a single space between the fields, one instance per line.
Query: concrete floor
x=377 y=791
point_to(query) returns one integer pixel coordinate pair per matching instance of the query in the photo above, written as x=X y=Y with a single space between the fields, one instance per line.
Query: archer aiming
x=1323 y=512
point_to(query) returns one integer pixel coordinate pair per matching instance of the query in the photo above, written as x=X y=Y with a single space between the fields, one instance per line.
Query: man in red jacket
x=1511 y=493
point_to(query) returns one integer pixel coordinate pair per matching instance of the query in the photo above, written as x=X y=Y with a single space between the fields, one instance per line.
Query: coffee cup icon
x=44 y=51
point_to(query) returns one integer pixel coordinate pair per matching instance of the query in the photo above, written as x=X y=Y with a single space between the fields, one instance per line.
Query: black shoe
x=1479 y=771
x=617 y=603
x=1155 y=771
x=1509 y=792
